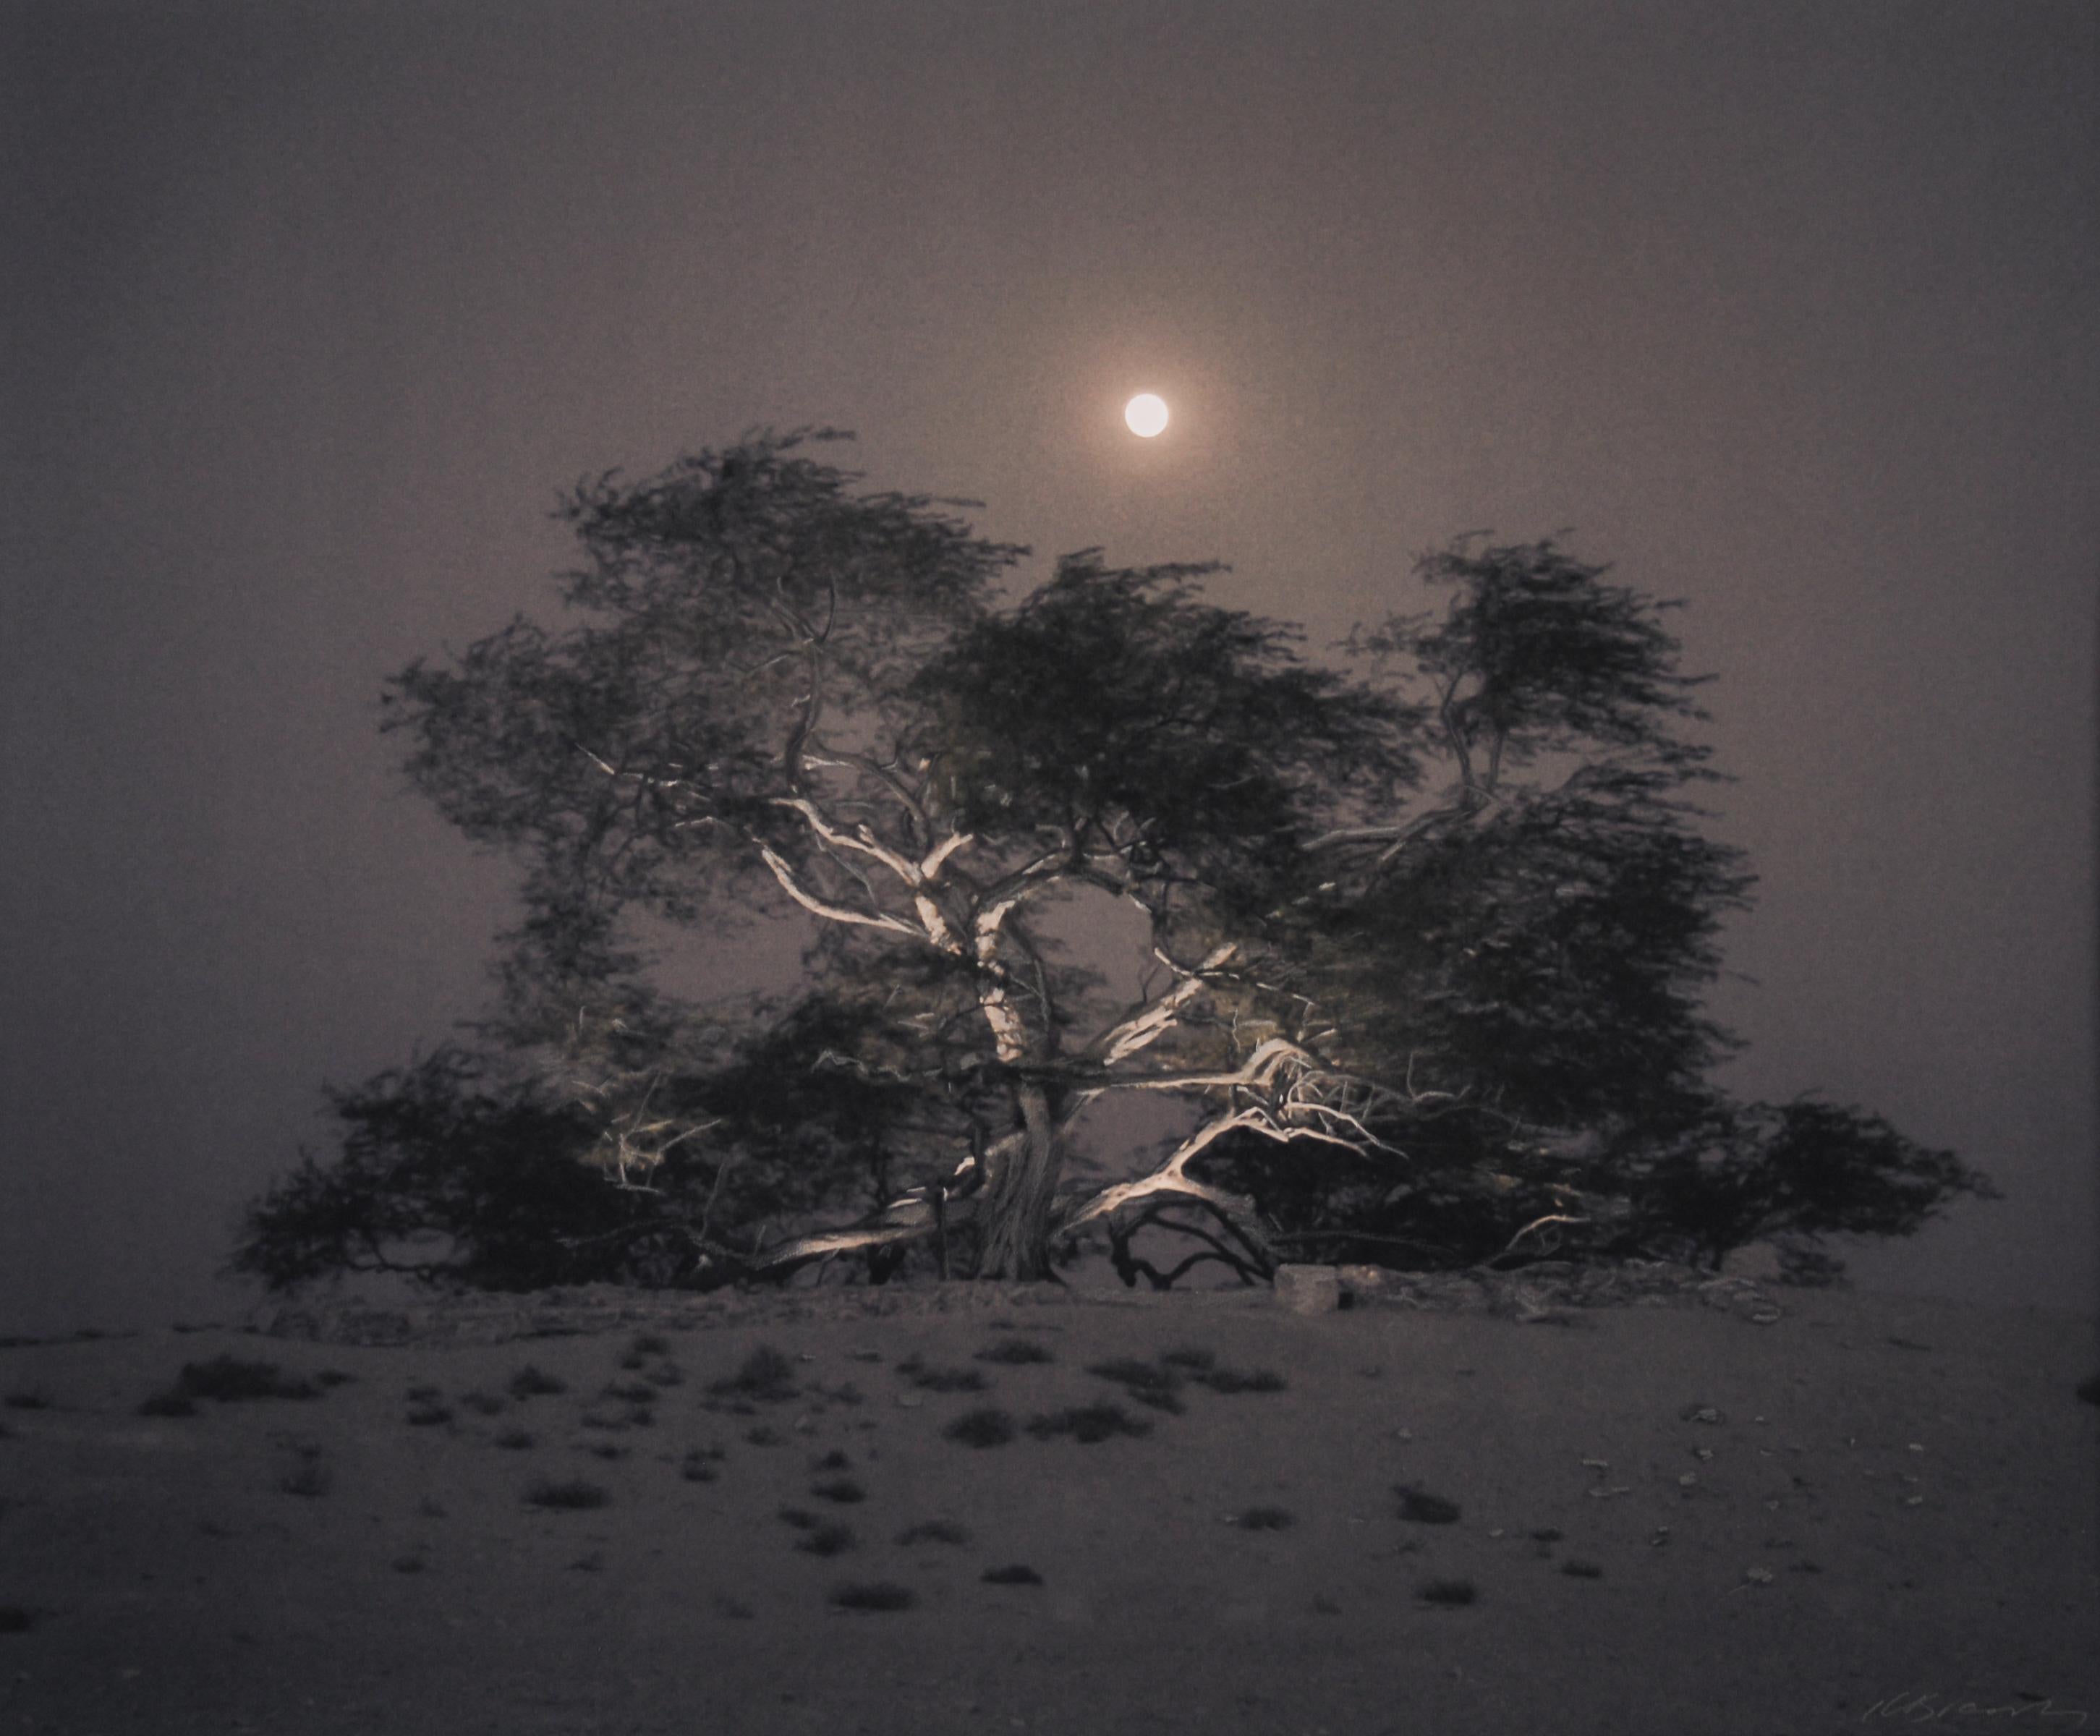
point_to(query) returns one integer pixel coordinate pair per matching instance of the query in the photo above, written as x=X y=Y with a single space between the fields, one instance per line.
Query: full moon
x=1146 y=414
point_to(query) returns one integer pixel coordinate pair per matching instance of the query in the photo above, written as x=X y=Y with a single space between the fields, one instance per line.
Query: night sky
x=309 y=311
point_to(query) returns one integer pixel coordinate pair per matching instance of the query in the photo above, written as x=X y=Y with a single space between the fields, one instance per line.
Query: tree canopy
x=1425 y=929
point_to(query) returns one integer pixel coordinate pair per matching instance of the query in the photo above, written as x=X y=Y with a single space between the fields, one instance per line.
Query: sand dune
x=1667 y=1519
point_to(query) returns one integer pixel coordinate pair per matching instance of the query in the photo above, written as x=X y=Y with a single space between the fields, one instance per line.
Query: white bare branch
x=835 y=913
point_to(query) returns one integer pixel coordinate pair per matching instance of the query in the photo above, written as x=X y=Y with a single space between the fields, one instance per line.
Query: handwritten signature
x=1940 y=1709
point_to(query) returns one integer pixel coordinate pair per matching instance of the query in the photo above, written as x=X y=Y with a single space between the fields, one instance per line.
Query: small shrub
x=842 y=1490
x=599 y=1420
x=484 y=1404
x=1579 y=1570
x=1088 y=1424
x=169 y=1403
x=573 y=1495
x=933 y=1531
x=1191 y=1358
x=630 y=1392
x=531 y=1382
x=765 y=1435
x=1018 y=1574
x=1148 y=1383
x=429 y=1415
x=942 y=1380
x=15 y=1617
x=311 y=1478
x=827 y=1540
x=1233 y=1381
x=32 y=1398
x=329 y=1379
x=229 y=1380
x=765 y=1375
x=516 y=1440
x=1545 y=1534
x=1424 y=1509
x=429 y=1507
x=2089 y=1389
x=1449 y=1594
x=800 y=1518
x=607 y=1449
x=650 y=1344
x=881 y=1595
x=664 y=1374
x=1266 y=1519
x=833 y=1461
x=641 y=1418
x=986 y=1426
x=1016 y=1351
x=409 y=1564
x=426 y=1395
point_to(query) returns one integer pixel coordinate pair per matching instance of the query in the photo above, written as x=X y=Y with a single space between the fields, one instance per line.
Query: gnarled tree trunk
x=1017 y=1210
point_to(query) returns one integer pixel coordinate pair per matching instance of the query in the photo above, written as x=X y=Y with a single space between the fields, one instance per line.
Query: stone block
x=1308 y=1289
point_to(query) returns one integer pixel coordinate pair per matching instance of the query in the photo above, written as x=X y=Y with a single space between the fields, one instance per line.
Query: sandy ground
x=1871 y=1512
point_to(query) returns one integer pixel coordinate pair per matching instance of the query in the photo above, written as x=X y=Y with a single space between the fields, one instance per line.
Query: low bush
x=229 y=1380
x=573 y=1495
x=881 y=1595
x=1088 y=1424
x=986 y=1426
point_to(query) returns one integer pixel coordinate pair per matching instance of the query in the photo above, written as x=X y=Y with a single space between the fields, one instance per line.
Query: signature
x=1939 y=1708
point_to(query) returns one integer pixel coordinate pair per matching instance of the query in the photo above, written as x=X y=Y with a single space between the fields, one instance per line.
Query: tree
x=1426 y=935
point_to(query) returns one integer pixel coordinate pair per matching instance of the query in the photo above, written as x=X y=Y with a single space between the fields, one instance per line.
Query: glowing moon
x=1146 y=414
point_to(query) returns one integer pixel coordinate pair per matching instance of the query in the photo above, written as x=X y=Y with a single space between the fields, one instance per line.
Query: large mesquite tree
x=1442 y=917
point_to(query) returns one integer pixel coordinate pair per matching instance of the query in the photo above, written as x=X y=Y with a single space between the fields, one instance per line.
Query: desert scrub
x=650 y=1344
x=1153 y=1384
x=765 y=1375
x=532 y=1382
x=429 y=1415
x=1018 y=1574
x=1582 y=1570
x=1448 y=1594
x=229 y=1380
x=882 y=1594
x=168 y=1404
x=1417 y=1505
x=1088 y=1424
x=986 y=1426
x=484 y=1404
x=630 y=1392
x=309 y=1474
x=1264 y=1519
x=827 y=1540
x=933 y=1530
x=1233 y=1380
x=699 y=1463
x=915 y=1370
x=516 y=1440
x=1016 y=1351
x=574 y=1494
x=17 y=1617
x=843 y=1491
x=29 y=1399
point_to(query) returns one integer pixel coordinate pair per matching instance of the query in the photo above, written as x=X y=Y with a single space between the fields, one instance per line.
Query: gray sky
x=309 y=312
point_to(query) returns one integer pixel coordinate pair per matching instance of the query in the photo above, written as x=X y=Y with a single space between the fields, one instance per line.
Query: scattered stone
x=1308 y=1289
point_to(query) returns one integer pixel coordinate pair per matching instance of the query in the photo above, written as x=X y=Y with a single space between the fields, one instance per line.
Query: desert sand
x=1671 y=1519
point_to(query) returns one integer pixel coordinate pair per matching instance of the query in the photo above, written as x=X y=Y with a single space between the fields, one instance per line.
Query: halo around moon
x=1146 y=414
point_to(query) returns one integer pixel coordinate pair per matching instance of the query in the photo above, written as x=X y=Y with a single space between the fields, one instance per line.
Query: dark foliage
x=1460 y=883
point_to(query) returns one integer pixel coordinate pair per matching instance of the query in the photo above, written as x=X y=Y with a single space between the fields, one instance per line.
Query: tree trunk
x=1017 y=1210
